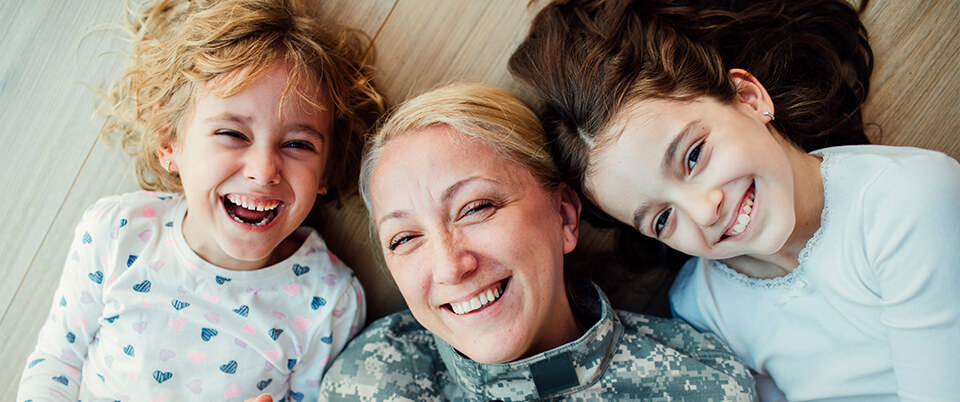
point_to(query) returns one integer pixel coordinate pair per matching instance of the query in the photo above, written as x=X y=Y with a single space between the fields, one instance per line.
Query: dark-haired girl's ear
x=570 y=214
x=751 y=93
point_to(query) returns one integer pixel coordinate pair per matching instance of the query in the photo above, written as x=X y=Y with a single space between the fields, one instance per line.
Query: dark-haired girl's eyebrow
x=670 y=154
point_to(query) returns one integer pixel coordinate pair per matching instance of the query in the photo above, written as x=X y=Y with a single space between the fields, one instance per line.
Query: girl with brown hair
x=725 y=129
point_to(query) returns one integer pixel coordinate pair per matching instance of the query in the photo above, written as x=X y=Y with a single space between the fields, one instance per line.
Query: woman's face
x=706 y=178
x=474 y=243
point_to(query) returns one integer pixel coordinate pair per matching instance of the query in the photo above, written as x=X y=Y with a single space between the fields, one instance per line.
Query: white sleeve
x=53 y=368
x=345 y=320
x=913 y=246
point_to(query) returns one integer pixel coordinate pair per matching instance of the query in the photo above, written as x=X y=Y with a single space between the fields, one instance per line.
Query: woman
x=473 y=222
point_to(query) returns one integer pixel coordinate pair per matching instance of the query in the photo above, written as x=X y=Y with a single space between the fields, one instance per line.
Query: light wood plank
x=46 y=115
x=915 y=98
x=427 y=43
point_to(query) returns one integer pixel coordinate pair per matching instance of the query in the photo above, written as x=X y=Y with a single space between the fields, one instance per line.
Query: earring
x=323 y=190
x=768 y=114
x=166 y=166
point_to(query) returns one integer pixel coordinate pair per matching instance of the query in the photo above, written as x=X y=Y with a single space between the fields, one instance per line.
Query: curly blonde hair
x=179 y=45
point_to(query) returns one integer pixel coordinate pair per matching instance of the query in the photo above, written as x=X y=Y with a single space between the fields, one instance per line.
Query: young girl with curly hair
x=205 y=286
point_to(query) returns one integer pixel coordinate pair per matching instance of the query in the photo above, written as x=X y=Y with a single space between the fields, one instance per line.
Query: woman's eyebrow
x=670 y=154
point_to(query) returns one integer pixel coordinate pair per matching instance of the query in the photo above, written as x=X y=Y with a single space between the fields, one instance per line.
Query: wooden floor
x=54 y=166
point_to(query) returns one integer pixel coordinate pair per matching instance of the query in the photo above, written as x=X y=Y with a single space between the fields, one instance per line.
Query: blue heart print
x=161 y=376
x=87 y=239
x=275 y=333
x=230 y=367
x=100 y=376
x=63 y=301
x=179 y=305
x=242 y=310
x=142 y=287
x=130 y=260
x=61 y=379
x=221 y=280
x=123 y=222
x=207 y=333
x=71 y=337
x=300 y=269
x=263 y=384
x=112 y=319
x=128 y=350
x=291 y=363
x=327 y=339
x=168 y=224
x=318 y=302
x=296 y=396
x=96 y=277
x=35 y=362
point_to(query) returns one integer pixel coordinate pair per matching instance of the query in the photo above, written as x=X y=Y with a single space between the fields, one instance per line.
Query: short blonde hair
x=479 y=112
x=181 y=45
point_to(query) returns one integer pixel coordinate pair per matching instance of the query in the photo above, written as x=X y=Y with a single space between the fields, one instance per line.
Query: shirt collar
x=556 y=372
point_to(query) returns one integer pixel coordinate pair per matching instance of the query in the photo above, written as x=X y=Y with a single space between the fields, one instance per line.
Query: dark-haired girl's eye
x=693 y=157
x=660 y=221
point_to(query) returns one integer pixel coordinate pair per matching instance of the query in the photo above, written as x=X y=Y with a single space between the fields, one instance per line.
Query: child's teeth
x=743 y=218
x=746 y=209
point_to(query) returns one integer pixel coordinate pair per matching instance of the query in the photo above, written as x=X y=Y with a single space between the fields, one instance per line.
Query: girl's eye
x=300 y=145
x=399 y=240
x=693 y=157
x=475 y=207
x=232 y=133
x=660 y=221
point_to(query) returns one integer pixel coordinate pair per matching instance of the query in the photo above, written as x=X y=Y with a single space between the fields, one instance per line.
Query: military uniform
x=623 y=356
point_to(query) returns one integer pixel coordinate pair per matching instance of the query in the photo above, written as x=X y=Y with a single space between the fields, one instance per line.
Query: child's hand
x=261 y=398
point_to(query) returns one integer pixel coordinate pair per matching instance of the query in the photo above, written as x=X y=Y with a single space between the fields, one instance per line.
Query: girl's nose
x=263 y=167
x=704 y=208
x=452 y=263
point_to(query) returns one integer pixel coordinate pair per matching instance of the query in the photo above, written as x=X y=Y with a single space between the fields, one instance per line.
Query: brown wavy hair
x=179 y=45
x=589 y=59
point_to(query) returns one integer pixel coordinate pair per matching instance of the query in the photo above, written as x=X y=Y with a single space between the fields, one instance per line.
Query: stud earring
x=768 y=114
x=166 y=166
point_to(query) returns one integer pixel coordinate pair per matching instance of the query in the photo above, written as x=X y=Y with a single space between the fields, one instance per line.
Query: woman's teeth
x=483 y=299
x=744 y=218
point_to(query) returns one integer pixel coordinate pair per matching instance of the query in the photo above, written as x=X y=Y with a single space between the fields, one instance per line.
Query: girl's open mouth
x=481 y=300
x=743 y=213
x=249 y=211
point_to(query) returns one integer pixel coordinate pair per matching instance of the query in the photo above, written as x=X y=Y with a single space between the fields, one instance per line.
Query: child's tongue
x=248 y=215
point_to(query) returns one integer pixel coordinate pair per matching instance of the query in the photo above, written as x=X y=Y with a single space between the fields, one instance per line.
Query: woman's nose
x=452 y=262
x=704 y=208
x=262 y=166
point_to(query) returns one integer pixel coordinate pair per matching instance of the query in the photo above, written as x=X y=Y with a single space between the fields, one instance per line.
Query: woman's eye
x=660 y=221
x=693 y=157
x=475 y=207
x=398 y=241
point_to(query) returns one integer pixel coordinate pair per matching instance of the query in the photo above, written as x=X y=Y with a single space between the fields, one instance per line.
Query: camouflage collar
x=554 y=373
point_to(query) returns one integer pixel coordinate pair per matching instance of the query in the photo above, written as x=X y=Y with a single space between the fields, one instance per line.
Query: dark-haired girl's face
x=706 y=178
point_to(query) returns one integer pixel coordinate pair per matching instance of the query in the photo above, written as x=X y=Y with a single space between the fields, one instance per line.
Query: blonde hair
x=181 y=45
x=491 y=116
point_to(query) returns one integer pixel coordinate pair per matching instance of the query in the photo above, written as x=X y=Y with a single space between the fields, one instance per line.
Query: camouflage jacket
x=623 y=356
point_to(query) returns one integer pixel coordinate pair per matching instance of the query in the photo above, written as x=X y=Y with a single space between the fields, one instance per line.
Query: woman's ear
x=570 y=214
x=751 y=93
